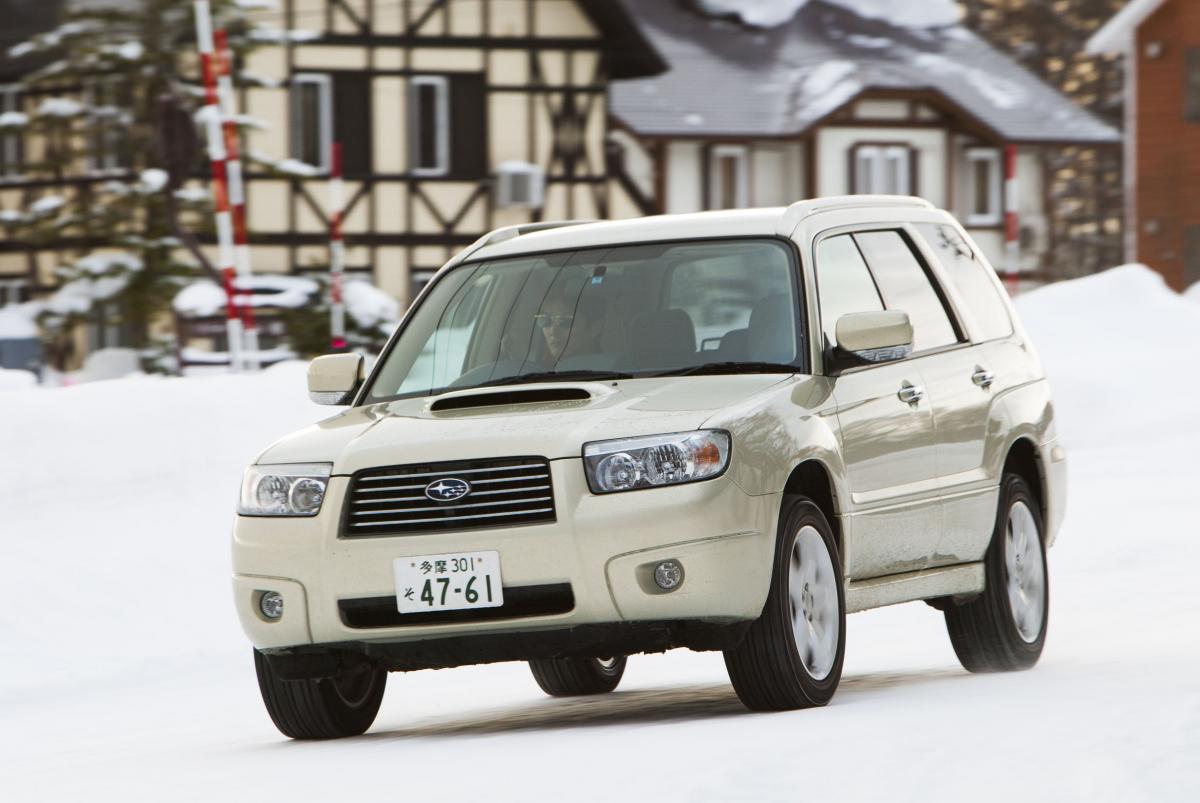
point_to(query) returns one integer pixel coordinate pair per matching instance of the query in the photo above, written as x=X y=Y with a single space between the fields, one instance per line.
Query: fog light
x=271 y=604
x=668 y=575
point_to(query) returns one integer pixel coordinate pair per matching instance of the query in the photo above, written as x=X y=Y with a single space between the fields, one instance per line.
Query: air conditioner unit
x=520 y=185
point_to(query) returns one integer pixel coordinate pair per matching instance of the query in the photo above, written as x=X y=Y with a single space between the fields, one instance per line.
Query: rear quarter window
x=971 y=278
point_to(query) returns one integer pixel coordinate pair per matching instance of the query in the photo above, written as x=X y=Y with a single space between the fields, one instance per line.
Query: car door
x=886 y=431
x=964 y=382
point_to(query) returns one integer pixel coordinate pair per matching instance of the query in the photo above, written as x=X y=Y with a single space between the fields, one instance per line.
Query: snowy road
x=123 y=674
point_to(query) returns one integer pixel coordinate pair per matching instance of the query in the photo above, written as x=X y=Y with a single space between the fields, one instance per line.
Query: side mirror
x=334 y=378
x=866 y=338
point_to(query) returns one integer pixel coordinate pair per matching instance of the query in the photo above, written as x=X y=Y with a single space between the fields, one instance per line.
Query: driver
x=566 y=327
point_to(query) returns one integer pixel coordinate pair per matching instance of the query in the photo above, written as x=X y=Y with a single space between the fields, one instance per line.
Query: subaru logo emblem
x=447 y=490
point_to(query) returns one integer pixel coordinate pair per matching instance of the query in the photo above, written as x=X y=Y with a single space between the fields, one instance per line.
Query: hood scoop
x=497 y=398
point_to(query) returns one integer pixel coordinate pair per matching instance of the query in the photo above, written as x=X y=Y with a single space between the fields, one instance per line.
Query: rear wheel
x=792 y=655
x=572 y=677
x=1004 y=629
x=328 y=708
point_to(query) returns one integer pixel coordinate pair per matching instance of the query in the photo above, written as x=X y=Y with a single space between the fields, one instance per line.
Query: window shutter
x=352 y=121
x=468 y=126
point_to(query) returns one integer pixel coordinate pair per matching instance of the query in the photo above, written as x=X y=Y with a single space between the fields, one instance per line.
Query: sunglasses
x=548 y=319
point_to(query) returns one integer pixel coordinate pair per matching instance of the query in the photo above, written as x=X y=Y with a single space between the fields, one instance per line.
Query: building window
x=108 y=144
x=429 y=132
x=984 y=187
x=882 y=169
x=14 y=291
x=1191 y=104
x=12 y=144
x=728 y=177
x=447 y=126
x=311 y=119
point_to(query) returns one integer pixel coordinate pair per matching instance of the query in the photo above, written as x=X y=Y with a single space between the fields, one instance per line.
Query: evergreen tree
x=1084 y=185
x=115 y=81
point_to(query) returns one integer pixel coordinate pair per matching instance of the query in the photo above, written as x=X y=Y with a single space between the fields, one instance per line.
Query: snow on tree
x=120 y=239
x=1085 y=185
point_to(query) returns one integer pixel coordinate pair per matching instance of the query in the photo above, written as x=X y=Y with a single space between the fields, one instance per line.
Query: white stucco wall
x=833 y=157
x=683 y=185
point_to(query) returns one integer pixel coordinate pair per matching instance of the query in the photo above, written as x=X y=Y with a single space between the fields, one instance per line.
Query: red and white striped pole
x=1012 y=228
x=237 y=193
x=337 y=250
x=217 y=158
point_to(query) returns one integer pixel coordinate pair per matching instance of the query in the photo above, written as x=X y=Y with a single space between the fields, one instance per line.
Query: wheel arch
x=1025 y=460
x=812 y=478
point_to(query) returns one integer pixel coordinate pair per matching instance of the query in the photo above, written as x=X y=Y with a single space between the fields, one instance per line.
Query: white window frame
x=741 y=193
x=324 y=84
x=11 y=142
x=871 y=163
x=441 y=122
x=995 y=213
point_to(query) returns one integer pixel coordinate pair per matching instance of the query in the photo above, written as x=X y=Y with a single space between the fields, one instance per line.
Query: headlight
x=293 y=489
x=650 y=462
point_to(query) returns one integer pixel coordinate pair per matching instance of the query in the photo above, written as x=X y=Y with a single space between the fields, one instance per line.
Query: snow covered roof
x=1117 y=33
x=730 y=79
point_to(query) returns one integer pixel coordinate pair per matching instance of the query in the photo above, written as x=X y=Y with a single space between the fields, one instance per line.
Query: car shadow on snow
x=648 y=706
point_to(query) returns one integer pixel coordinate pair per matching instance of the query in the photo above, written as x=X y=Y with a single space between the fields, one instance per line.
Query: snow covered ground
x=124 y=676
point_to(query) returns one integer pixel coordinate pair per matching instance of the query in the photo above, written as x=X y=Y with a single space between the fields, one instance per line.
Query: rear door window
x=971 y=279
x=906 y=285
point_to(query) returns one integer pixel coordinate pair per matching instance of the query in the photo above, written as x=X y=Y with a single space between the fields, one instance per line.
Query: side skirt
x=946 y=581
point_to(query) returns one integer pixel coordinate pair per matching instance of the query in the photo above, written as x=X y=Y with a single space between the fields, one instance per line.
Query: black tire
x=767 y=669
x=329 y=708
x=985 y=633
x=572 y=677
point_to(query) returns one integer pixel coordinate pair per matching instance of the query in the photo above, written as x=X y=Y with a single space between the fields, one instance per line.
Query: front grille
x=504 y=492
x=519 y=601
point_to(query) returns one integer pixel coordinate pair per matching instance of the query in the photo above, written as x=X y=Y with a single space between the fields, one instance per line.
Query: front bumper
x=599 y=548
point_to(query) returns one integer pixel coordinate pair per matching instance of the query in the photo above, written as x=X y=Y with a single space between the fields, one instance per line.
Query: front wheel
x=1004 y=628
x=328 y=708
x=571 y=677
x=792 y=655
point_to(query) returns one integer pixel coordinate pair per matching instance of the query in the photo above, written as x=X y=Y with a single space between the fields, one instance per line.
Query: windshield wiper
x=734 y=368
x=556 y=376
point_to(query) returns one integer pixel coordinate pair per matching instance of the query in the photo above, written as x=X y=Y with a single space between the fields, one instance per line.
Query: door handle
x=911 y=394
x=982 y=377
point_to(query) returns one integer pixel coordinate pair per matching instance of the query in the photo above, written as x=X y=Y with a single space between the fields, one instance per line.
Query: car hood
x=416 y=431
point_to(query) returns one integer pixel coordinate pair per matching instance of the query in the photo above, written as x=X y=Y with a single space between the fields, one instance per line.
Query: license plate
x=448 y=582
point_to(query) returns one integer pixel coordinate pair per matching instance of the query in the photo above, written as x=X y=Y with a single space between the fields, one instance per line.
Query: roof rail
x=505 y=233
x=802 y=209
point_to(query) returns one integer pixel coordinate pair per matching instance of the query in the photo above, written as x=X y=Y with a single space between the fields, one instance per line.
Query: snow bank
x=904 y=13
x=1120 y=349
x=16 y=321
x=16 y=380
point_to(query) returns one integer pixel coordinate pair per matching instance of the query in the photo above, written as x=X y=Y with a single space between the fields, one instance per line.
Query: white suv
x=722 y=431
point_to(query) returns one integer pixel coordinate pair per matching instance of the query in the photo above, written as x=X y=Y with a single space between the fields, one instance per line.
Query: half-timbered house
x=455 y=117
x=831 y=102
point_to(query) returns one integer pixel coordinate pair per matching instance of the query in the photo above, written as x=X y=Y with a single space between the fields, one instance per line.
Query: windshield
x=720 y=306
